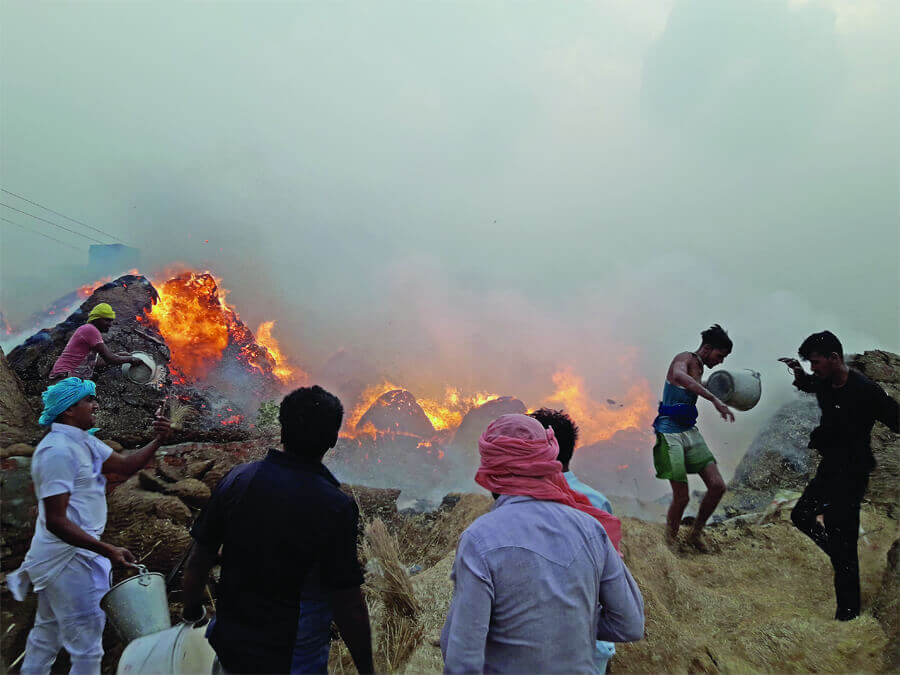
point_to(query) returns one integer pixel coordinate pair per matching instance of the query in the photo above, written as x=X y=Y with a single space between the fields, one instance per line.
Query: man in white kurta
x=67 y=564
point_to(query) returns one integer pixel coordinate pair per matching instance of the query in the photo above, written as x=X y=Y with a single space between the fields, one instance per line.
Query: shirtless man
x=680 y=449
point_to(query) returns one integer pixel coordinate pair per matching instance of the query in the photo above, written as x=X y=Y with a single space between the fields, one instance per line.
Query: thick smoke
x=584 y=190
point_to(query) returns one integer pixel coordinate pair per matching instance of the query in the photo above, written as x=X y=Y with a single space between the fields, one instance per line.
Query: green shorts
x=677 y=455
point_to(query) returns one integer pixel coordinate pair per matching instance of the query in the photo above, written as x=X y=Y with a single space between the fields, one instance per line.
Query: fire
x=86 y=290
x=449 y=412
x=366 y=399
x=282 y=370
x=194 y=320
x=444 y=413
x=600 y=420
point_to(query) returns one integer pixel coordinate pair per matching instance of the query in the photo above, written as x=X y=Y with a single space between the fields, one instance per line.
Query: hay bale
x=169 y=472
x=156 y=542
x=191 y=491
x=17 y=450
x=129 y=502
x=218 y=470
x=148 y=481
x=198 y=469
x=886 y=607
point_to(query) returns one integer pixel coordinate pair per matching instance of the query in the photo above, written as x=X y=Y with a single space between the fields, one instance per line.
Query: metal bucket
x=143 y=373
x=180 y=650
x=137 y=606
x=739 y=389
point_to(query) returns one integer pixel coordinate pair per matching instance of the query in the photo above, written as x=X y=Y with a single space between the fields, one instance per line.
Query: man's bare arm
x=133 y=462
x=58 y=523
x=352 y=618
x=682 y=378
x=196 y=574
x=115 y=359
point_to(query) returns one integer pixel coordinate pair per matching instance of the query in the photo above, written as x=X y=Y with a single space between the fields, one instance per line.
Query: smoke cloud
x=476 y=195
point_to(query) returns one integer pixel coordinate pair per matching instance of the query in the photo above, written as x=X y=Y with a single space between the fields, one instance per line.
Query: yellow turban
x=102 y=311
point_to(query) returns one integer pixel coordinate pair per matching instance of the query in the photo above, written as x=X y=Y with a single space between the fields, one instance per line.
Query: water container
x=143 y=373
x=180 y=650
x=137 y=606
x=739 y=389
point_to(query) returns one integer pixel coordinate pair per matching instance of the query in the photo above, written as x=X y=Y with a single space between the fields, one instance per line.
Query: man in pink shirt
x=86 y=346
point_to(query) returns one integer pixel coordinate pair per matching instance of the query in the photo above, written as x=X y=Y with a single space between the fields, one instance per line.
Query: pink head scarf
x=518 y=457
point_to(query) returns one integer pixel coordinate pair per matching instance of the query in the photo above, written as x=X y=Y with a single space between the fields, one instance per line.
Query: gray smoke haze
x=476 y=194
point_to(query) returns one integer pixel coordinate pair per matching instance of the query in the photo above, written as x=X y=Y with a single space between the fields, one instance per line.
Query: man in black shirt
x=288 y=539
x=850 y=403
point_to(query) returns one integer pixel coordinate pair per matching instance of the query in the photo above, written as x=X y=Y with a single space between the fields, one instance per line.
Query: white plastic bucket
x=181 y=650
x=739 y=389
x=140 y=374
x=137 y=606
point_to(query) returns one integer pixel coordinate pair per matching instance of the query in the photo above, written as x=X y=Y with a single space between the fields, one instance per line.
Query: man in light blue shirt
x=566 y=435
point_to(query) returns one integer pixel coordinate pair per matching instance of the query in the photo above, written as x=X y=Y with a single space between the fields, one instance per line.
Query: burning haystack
x=206 y=357
x=396 y=411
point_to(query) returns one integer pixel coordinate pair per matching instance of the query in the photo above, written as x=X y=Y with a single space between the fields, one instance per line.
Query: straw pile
x=762 y=602
x=394 y=610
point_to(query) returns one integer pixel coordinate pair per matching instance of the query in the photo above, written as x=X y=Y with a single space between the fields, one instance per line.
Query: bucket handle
x=143 y=574
x=195 y=623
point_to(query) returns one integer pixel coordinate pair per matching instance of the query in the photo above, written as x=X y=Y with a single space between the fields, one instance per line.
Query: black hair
x=716 y=337
x=824 y=343
x=565 y=430
x=310 y=420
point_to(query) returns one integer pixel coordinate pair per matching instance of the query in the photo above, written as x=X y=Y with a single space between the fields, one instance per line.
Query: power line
x=46 y=236
x=61 y=215
x=49 y=222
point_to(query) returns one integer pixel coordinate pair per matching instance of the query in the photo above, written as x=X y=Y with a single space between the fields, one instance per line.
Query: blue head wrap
x=62 y=396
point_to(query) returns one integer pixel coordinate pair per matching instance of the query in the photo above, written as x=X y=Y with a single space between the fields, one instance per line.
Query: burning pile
x=213 y=362
x=204 y=333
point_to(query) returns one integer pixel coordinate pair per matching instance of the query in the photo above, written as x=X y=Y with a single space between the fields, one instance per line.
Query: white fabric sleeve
x=54 y=472
x=100 y=450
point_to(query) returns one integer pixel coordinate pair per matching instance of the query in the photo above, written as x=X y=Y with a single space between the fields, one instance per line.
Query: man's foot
x=671 y=538
x=845 y=615
x=698 y=541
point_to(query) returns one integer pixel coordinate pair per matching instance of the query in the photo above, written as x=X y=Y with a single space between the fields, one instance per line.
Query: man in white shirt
x=67 y=563
x=566 y=432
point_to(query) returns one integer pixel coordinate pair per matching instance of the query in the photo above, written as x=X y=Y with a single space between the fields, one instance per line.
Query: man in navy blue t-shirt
x=288 y=537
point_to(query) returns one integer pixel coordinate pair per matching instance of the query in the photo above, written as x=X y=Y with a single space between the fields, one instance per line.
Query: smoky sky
x=477 y=192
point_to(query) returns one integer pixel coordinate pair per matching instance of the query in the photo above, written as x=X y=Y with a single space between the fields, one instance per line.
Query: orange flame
x=600 y=420
x=86 y=290
x=282 y=370
x=366 y=399
x=449 y=412
x=192 y=317
x=445 y=413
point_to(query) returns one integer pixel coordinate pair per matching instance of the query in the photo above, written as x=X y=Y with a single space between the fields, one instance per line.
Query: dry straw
x=395 y=612
x=180 y=413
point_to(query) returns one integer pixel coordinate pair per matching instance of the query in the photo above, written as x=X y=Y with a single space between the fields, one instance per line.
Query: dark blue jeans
x=313 y=637
x=310 y=651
